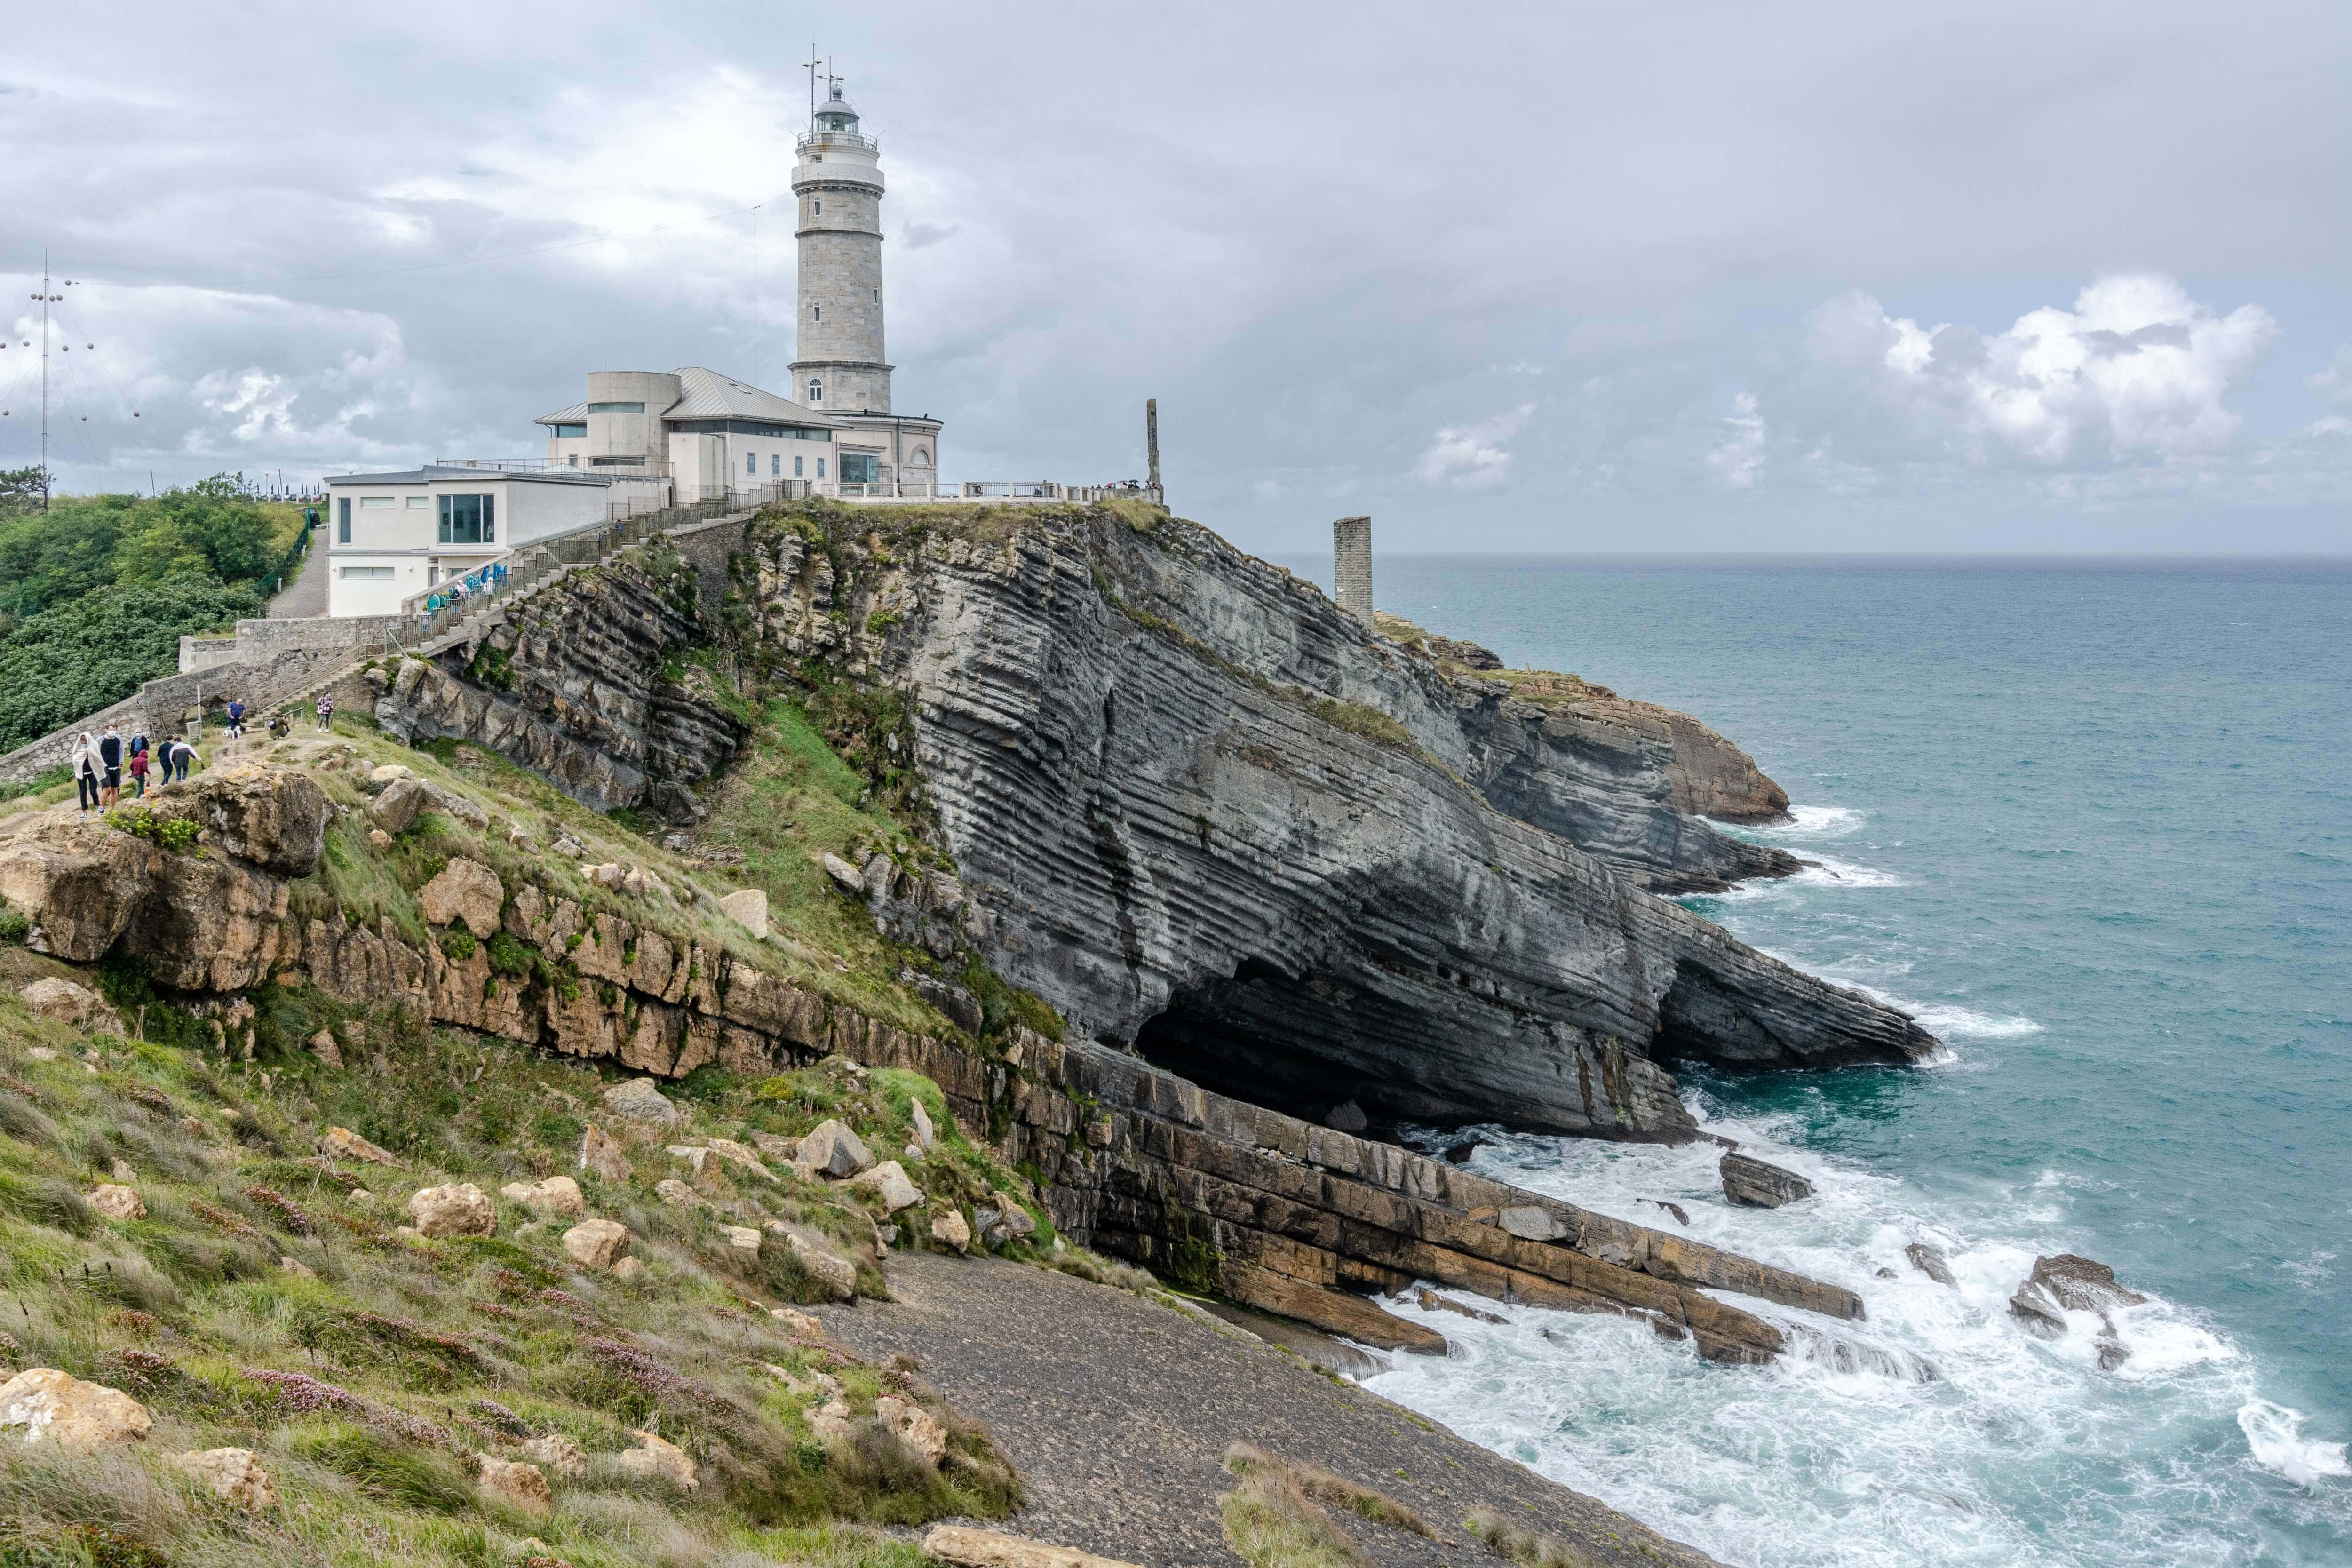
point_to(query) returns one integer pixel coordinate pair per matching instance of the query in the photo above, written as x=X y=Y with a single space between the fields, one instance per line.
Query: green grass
x=418 y=1353
x=1270 y=1523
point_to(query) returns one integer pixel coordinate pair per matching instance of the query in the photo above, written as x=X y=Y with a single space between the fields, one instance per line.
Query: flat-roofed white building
x=707 y=433
x=392 y=536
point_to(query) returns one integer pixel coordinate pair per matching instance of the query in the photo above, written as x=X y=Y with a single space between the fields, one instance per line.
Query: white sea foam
x=1935 y=1430
x=1948 y=1021
x=2274 y=1434
x=1811 y=822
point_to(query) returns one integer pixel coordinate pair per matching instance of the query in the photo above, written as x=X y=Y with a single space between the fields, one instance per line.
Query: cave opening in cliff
x=1295 y=1044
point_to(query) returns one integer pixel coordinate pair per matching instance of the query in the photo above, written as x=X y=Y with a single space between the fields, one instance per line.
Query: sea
x=2090 y=821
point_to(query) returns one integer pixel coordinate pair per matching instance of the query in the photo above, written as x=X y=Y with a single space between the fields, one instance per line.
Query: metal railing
x=294 y=552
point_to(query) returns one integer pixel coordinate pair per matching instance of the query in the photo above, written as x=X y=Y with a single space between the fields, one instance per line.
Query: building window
x=751 y=464
x=376 y=503
x=816 y=391
x=921 y=456
x=816 y=312
x=775 y=464
x=366 y=573
x=796 y=468
x=819 y=203
x=877 y=293
x=614 y=408
x=420 y=503
x=571 y=432
x=820 y=468
x=468 y=520
x=342 y=519
x=861 y=468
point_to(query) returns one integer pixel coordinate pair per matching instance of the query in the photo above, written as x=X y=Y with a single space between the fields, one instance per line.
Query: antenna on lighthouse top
x=810 y=64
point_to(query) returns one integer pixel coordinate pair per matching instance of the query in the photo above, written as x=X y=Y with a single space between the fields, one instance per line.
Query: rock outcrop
x=1200 y=810
x=1758 y=1185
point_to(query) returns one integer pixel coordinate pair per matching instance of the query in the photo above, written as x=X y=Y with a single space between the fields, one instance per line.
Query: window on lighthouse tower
x=816 y=312
x=816 y=391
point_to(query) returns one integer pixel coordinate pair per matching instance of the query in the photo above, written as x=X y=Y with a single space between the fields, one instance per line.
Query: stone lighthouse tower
x=842 y=369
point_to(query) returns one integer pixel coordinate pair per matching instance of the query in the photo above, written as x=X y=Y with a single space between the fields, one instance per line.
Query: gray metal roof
x=707 y=394
x=527 y=476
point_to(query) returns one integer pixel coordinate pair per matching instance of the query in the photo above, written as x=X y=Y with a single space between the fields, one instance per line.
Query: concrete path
x=1116 y=1410
x=307 y=595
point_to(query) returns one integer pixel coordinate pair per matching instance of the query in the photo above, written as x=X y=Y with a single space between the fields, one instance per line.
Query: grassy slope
x=181 y=1307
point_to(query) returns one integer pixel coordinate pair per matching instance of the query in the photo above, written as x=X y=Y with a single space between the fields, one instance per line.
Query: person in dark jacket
x=109 y=758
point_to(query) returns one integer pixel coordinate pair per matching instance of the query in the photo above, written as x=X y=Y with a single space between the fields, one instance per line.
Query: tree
x=85 y=654
x=22 y=490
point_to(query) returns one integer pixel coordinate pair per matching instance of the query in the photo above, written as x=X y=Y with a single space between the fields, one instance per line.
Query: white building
x=702 y=431
x=392 y=536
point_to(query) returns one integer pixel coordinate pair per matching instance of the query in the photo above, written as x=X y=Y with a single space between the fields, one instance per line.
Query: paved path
x=1116 y=1411
x=307 y=595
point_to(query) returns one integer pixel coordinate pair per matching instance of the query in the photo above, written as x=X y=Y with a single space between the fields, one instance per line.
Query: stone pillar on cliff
x=1352 y=564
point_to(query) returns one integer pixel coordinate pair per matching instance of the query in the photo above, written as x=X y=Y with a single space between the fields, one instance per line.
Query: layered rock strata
x=1205 y=813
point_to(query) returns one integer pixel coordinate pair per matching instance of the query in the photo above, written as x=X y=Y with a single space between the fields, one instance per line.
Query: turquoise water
x=2092 y=822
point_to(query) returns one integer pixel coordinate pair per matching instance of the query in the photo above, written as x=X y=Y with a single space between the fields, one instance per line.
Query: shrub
x=172 y=833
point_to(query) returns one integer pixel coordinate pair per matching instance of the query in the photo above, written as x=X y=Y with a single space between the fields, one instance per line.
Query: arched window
x=921 y=458
x=816 y=391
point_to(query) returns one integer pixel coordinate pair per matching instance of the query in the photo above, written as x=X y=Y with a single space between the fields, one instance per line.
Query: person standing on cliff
x=326 y=710
x=85 y=769
x=138 y=766
x=109 y=758
x=237 y=716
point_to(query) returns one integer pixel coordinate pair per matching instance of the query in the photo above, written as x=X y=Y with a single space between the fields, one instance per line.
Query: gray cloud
x=1537 y=279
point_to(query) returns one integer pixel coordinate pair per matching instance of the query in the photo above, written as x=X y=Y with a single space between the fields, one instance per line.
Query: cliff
x=1208 y=816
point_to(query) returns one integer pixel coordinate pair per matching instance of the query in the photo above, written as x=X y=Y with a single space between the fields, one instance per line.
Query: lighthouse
x=842 y=368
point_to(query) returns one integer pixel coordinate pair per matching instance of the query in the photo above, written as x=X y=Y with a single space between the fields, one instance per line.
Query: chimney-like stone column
x=1351 y=565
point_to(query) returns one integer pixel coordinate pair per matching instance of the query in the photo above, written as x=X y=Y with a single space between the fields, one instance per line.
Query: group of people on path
x=100 y=762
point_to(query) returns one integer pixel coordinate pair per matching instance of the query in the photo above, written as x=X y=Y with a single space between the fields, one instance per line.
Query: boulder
x=640 y=883
x=1347 y=1117
x=2081 y=1285
x=343 y=1144
x=798 y=1323
x=915 y=1426
x=555 y=1194
x=2113 y=1353
x=297 y=1268
x=118 y=1203
x=459 y=1208
x=640 y=1099
x=379 y=839
x=233 y=1475
x=1530 y=1222
x=611 y=874
x=382 y=778
x=459 y=807
x=2038 y=1311
x=818 y=1260
x=63 y=1409
x=889 y=1179
x=628 y=1268
x=925 y=1134
x=323 y=1047
x=748 y=907
x=1753 y=1184
x=741 y=1237
x=517 y=1485
x=735 y=1154
x=1927 y=1260
x=676 y=1193
x=834 y=1151
x=950 y=1229
x=845 y=877
x=61 y=1001
x=787 y=1150
x=697 y=1157
x=965 y=1547
x=81 y=881
x=661 y=1460
x=274 y=817
x=596 y=1243
x=465 y=891
x=601 y=1153
x=557 y=1455
x=395 y=811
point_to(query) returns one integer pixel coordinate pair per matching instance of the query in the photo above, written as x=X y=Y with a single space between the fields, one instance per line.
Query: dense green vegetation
x=96 y=591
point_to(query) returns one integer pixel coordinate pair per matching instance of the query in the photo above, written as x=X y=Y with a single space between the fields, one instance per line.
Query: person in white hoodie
x=86 y=768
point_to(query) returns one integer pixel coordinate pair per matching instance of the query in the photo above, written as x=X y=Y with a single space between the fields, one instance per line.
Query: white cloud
x=1474 y=456
x=1738 y=460
x=2335 y=383
x=2138 y=372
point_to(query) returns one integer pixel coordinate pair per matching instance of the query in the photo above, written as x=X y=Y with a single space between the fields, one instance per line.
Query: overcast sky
x=1547 y=277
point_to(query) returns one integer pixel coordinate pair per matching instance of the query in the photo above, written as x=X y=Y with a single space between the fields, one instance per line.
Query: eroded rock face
x=1196 y=807
x=79 y=881
x=274 y=817
x=464 y=890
